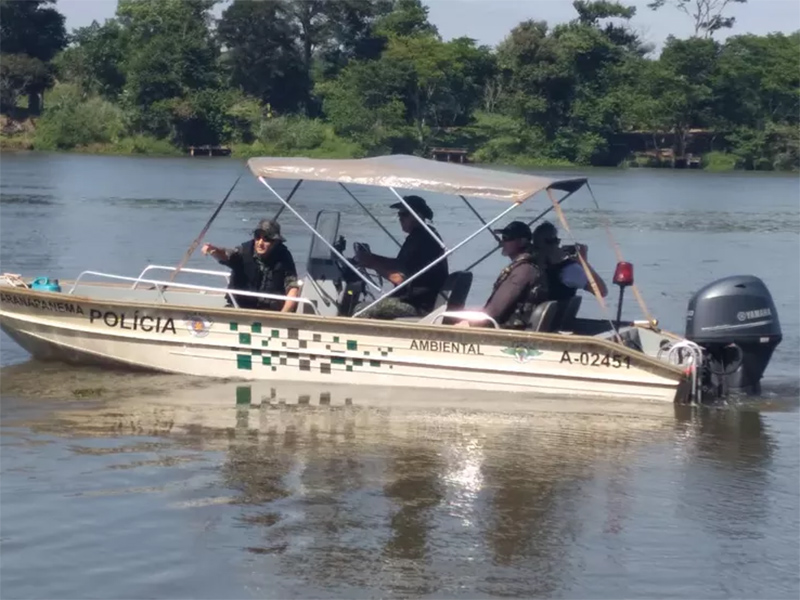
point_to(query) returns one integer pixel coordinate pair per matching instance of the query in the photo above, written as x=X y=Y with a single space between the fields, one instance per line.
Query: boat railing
x=161 y=285
x=223 y=274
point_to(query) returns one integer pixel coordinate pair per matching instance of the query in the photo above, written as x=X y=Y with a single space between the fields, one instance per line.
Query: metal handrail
x=223 y=274
x=188 y=286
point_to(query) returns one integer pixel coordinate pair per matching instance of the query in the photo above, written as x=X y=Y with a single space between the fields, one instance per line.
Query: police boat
x=164 y=320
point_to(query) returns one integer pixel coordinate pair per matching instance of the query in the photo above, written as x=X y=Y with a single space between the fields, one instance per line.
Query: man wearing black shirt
x=418 y=251
x=263 y=264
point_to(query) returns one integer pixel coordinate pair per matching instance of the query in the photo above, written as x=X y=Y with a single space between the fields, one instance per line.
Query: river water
x=130 y=485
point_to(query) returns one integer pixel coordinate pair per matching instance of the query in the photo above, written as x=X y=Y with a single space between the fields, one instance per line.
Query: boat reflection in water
x=354 y=488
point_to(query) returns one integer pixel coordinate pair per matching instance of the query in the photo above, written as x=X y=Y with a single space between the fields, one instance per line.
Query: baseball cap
x=417 y=204
x=514 y=231
x=271 y=229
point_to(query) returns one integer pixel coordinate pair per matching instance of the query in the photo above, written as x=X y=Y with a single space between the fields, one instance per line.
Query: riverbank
x=145 y=146
x=294 y=139
x=95 y=126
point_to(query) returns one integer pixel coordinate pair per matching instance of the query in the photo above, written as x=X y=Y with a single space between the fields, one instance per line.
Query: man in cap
x=521 y=285
x=418 y=251
x=565 y=274
x=262 y=264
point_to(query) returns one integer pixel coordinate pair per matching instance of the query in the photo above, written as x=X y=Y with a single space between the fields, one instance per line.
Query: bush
x=507 y=140
x=246 y=116
x=145 y=144
x=298 y=136
x=292 y=133
x=719 y=161
x=21 y=74
x=71 y=120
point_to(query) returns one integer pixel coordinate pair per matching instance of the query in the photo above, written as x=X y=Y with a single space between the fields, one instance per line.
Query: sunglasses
x=260 y=234
x=403 y=214
x=552 y=241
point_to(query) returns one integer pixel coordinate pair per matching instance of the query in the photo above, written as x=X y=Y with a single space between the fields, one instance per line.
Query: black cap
x=271 y=229
x=545 y=228
x=417 y=204
x=516 y=230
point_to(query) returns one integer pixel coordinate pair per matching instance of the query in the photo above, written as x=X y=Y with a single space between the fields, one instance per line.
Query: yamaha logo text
x=747 y=315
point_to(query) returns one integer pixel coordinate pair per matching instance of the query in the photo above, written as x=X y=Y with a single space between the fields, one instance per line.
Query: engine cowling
x=735 y=320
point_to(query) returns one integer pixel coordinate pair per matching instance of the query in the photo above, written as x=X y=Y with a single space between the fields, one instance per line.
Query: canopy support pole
x=320 y=237
x=440 y=259
x=585 y=267
x=480 y=218
x=531 y=222
x=366 y=210
x=653 y=322
x=288 y=199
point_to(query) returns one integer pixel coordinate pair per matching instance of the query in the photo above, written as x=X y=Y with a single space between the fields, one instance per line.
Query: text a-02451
x=610 y=360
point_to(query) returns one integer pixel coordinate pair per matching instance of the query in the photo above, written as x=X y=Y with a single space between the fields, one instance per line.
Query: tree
x=95 y=59
x=262 y=56
x=32 y=28
x=706 y=14
x=171 y=70
x=407 y=18
x=562 y=82
x=352 y=32
x=334 y=31
x=365 y=103
x=19 y=74
x=444 y=81
x=758 y=80
x=29 y=29
x=526 y=58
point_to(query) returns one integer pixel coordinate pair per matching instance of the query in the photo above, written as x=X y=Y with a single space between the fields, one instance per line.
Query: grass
x=16 y=143
x=719 y=161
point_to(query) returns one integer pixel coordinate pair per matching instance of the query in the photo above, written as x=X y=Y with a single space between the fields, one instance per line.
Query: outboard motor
x=734 y=320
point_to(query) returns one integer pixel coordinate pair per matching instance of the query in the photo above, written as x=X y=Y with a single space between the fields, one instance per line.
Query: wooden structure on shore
x=209 y=150
x=667 y=148
x=450 y=154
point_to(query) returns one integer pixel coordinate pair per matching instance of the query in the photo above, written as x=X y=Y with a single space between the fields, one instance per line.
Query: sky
x=489 y=21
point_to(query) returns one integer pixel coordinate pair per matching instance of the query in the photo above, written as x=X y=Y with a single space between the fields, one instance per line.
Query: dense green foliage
x=366 y=77
x=31 y=34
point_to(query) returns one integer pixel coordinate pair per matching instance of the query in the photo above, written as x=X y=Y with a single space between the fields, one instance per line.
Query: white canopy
x=412 y=172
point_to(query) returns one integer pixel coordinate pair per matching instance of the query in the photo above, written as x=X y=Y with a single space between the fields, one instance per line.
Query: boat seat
x=452 y=296
x=455 y=291
x=543 y=316
x=567 y=311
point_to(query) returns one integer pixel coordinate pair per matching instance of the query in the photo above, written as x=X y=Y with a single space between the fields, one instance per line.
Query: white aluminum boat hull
x=259 y=345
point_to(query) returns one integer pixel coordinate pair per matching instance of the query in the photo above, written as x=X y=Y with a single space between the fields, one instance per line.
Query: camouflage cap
x=271 y=229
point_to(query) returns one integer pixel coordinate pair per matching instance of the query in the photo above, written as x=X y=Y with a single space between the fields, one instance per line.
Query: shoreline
x=129 y=147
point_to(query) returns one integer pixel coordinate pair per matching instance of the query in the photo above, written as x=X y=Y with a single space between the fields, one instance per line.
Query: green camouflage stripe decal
x=290 y=348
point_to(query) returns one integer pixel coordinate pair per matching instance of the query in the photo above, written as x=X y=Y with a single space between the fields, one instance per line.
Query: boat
x=165 y=324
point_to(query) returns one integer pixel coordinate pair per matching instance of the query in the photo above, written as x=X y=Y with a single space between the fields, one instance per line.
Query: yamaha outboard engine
x=735 y=321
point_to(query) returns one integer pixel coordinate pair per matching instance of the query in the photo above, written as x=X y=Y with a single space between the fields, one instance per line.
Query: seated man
x=520 y=286
x=263 y=264
x=418 y=251
x=565 y=275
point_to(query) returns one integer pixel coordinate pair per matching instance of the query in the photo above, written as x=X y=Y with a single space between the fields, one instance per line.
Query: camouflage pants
x=388 y=308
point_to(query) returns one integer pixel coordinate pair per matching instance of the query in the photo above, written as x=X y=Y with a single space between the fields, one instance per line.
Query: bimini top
x=413 y=173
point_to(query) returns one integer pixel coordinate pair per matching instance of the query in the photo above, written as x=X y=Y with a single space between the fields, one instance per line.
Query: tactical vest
x=557 y=290
x=520 y=316
x=249 y=277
